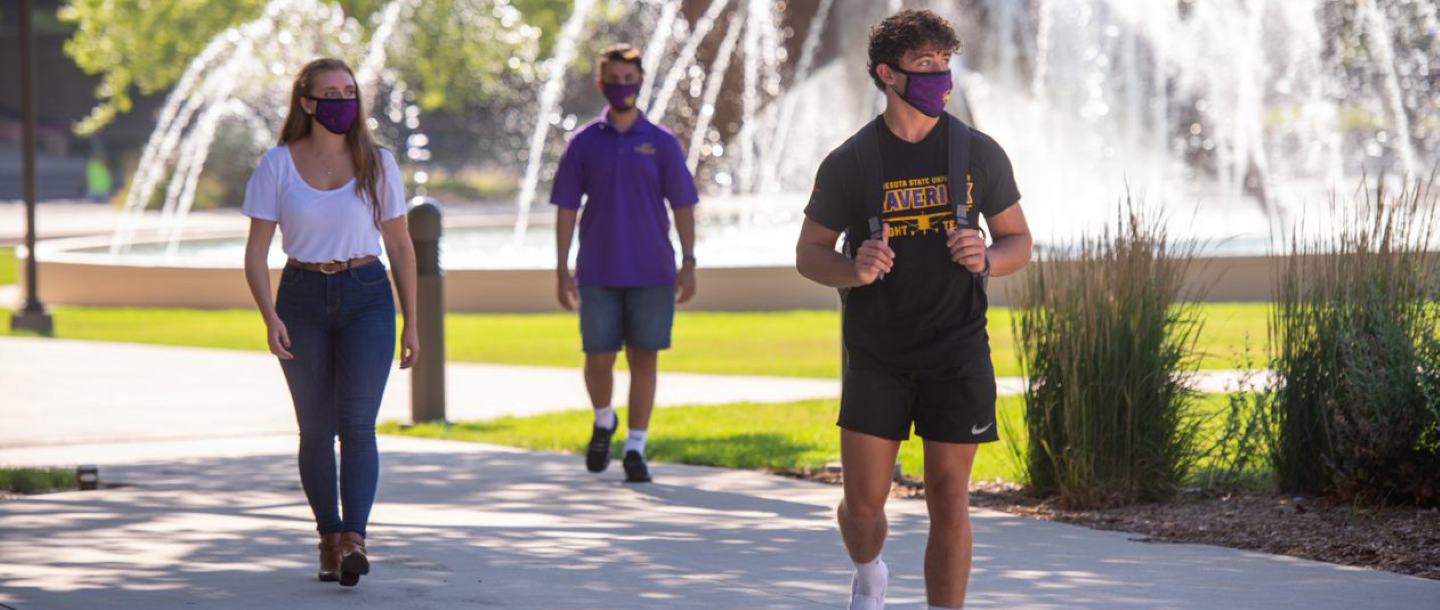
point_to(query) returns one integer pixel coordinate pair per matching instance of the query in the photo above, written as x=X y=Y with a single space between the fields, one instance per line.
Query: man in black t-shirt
x=909 y=191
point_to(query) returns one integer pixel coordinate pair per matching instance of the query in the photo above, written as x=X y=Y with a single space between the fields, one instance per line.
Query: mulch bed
x=1405 y=540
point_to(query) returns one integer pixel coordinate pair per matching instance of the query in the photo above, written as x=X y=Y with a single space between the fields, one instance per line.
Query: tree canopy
x=458 y=48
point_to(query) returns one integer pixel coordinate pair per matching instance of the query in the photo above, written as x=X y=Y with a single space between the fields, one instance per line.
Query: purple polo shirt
x=624 y=179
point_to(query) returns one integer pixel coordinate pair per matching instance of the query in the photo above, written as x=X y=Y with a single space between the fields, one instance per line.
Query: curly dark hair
x=906 y=31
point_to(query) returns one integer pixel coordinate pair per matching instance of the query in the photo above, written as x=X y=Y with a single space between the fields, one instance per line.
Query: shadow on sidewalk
x=527 y=530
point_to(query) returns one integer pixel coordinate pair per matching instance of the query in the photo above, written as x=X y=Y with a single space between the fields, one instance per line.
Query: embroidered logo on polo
x=921 y=206
x=645 y=148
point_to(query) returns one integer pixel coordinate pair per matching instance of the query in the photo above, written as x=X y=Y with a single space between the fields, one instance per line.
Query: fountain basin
x=78 y=272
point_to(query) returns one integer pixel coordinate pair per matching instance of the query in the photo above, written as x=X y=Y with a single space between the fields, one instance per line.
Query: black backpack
x=865 y=223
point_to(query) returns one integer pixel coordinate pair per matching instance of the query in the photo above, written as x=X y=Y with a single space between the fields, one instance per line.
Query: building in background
x=64 y=95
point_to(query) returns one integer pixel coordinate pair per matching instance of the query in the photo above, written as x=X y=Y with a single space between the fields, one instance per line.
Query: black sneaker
x=635 y=469
x=597 y=457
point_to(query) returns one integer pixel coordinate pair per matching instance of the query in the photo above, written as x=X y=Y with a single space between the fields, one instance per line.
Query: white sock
x=635 y=441
x=871 y=578
x=605 y=418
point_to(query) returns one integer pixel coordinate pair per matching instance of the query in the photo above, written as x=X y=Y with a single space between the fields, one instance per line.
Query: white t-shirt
x=318 y=226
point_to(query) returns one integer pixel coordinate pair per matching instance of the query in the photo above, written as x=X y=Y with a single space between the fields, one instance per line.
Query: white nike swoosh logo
x=974 y=430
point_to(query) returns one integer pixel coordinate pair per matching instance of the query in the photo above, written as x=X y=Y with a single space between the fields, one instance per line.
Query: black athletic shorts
x=951 y=406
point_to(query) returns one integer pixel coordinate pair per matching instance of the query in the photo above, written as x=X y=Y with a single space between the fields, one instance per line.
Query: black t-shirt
x=928 y=312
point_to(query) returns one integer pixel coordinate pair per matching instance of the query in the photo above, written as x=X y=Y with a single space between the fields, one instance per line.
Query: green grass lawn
x=795 y=343
x=9 y=266
x=1233 y=335
x=798 y=343
x=791 y=435
x=31 y=480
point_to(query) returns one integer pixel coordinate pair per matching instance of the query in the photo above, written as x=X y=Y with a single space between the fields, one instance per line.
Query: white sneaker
x=867 y=602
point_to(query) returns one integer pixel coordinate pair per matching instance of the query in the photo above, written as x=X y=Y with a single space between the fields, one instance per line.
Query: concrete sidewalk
x=222 y=524
x=218 y=520
x=66 y=391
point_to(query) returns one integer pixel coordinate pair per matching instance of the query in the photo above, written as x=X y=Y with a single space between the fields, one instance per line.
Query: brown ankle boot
x=353 y=562
x=330 y=557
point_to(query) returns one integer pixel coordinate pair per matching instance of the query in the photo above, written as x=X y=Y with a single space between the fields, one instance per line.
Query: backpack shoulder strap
x=872 y=170
x=865 y=219
x=959 y=173
x=872 y=181
x=960 y=138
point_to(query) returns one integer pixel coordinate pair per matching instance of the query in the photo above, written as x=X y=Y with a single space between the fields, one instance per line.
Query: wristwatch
x=688 y=258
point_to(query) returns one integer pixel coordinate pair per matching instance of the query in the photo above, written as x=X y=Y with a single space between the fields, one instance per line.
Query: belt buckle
x=328 y=272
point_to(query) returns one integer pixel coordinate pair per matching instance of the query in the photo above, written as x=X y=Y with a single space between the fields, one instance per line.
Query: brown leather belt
x=333 y=267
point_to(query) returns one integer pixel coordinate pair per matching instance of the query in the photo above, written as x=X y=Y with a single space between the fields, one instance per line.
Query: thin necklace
x=320 y=157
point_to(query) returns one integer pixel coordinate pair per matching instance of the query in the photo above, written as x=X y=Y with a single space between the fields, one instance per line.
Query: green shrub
x=1356 y=330
x=1238 y=440
x=1106 y=342
x=31 y=480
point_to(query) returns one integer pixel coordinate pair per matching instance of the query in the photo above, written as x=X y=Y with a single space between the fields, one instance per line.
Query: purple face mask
x=621 y=97
x=337 y=115
x=927 y=91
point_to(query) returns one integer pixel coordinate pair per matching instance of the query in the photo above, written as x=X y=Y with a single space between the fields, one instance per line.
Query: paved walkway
x=67 y=391
x=217 y=520
x=222 y=524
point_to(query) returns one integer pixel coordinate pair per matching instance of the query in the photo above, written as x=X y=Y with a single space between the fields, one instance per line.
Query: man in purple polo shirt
x=626 y=282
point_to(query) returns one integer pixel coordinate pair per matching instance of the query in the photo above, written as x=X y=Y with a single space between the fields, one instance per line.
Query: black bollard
x=427 y=377
x=88 y=475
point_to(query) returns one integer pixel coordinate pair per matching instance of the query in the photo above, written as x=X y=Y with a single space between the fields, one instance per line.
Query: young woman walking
x=335 y=195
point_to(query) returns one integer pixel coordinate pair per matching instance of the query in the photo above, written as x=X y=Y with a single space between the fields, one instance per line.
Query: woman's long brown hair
x=364 y=152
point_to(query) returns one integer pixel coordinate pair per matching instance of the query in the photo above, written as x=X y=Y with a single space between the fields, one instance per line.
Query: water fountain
x=1235 y=115
x=556 y=68
x=242 y=74
x=1248 y=112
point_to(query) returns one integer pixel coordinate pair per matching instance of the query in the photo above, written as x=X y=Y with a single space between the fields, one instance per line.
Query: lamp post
x=32 y=316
